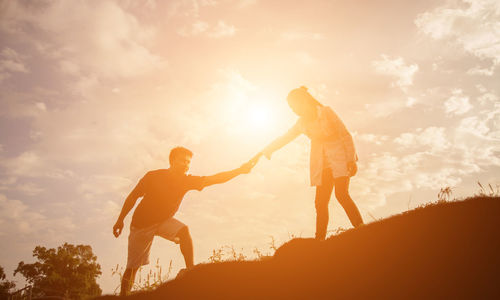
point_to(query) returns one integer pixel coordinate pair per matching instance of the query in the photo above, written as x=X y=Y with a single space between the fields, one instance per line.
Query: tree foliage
x=69 y=271
x=5 y=285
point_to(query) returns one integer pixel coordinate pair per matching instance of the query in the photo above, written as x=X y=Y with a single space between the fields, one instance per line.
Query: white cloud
x=25 y=164
x=295 y=35
x=95 y=186
x=30 y=189
x=102 y=39
x=473 y=24
x=304 y=57
x=200 y=28
x=18 y=219
x=482 y=71
x=188 y=8
x=474 y=125
x=488 y=98
x=433 y=138
x=458 y=103
x=69 y=67
x=195 y=29
x=41 y=106
x=411 y=101
x=396 y=67
x=221 y=29
x=385 y=108
x=372 y=138
x=246 y=3
x=11 y=62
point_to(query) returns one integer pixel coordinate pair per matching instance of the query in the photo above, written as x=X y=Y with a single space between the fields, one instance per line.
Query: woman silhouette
x=333 y=156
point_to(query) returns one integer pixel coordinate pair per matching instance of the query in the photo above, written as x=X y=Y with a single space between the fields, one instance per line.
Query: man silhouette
x=162 y=191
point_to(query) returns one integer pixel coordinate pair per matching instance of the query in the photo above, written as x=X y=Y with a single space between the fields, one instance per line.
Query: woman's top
x=331 y=144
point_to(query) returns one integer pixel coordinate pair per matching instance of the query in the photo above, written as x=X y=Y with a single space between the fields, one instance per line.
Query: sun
x=252 y=116
x=259 y=117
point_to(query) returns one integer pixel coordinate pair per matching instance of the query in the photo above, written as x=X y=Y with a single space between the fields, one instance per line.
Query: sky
x=93 y=94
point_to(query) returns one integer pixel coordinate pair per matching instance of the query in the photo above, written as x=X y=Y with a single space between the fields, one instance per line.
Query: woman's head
x=301 y=102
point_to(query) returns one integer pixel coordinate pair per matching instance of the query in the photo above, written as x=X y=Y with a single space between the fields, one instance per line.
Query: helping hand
x=352 y=168
x=266 y=153
x=248 y=166
x=117 y=228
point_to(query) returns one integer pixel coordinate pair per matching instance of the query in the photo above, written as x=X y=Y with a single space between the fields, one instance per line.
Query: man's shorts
x=140 y=240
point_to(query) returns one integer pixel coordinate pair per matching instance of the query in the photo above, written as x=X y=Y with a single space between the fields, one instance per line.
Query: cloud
x=246 y=3
x=200 y=28
x=221 y=29
x=41 y=106
x=11 y=62
x=197 y=28
x=429 y=158
x=29 y=188
x=100 y=40
x=432 y=138
x=487 y=98
x=485 y=126
x=372 y=138
x=188 y=8
x=472 y=24
x=458 y=103
x=482 y=71
x=384 y=108
x=19 y=219
x=385 y=174
x=397 y=68
x=96 y=186
x=304 y=57
x=27 y=164
x=296 y=36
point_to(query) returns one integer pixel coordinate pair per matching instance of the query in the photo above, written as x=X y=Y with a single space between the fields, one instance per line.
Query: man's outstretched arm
x=127 y=206
x=228 y=175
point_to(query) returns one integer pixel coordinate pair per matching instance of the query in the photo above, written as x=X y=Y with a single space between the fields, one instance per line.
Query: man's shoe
x=181 y=273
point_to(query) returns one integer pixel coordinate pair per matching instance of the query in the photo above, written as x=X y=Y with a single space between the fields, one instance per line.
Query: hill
x=448 y=250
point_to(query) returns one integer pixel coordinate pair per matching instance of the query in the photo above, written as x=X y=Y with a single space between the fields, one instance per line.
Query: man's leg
x=342 y=194
x=323 y=194
x=127 y=281
x=186 y=244
x=139 y=246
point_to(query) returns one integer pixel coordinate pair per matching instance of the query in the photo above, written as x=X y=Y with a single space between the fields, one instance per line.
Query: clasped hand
x=248 y=166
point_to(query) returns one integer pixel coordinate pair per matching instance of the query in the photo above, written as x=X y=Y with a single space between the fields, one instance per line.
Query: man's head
x=180 y=159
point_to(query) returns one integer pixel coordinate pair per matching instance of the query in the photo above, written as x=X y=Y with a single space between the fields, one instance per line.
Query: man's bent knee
x=183 y=233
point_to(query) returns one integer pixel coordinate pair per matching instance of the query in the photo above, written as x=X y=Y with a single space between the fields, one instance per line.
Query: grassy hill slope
x=444 y=251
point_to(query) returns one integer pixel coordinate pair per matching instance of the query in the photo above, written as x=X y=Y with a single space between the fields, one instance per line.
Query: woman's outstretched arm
x=278 y=143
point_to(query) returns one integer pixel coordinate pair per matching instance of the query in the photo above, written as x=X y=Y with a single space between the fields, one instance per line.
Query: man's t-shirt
x=162 y=192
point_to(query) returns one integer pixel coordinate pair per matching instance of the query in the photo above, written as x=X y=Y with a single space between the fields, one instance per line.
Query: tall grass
x=489 y=191
x=145 y=282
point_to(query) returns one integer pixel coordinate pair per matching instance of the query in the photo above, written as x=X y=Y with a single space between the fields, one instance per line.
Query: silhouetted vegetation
x=6 y=286
x=69 y=271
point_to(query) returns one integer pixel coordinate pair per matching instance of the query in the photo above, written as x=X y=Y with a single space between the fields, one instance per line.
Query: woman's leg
x=323 y=194
x=342 y=195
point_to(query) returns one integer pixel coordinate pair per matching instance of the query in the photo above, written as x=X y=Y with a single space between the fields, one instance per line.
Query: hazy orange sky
x=93 y=94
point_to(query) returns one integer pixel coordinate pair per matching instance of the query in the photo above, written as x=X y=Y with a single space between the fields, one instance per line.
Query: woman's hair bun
x=304 y=88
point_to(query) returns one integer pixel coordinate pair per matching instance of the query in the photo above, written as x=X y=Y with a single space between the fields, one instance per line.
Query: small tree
x=5 y=285
x=69 y=271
